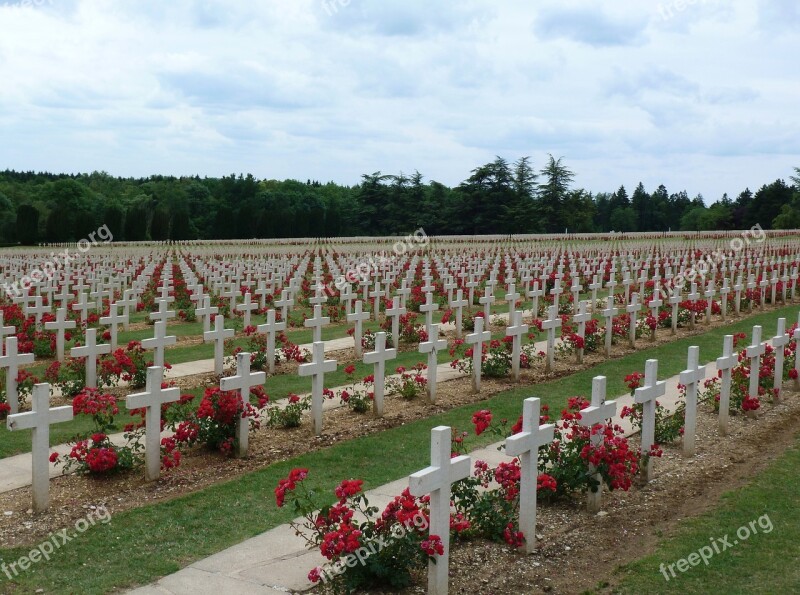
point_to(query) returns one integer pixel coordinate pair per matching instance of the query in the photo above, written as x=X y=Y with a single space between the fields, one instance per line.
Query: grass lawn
x=759 y=559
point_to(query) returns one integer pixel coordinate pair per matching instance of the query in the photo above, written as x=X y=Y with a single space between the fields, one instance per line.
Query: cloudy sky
x=701 y=95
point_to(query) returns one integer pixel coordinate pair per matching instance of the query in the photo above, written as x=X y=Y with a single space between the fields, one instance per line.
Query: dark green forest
x=497 y=198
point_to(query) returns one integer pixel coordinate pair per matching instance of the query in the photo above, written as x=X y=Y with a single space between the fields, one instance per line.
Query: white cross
x=428 y=308
x=218 y=336
x=459 y=304
x=159 y=341
x=12 y=360
x=395 y=312
x=206 y=311
x=358 y=317
x=556 y=291
x=284 y=303
x=487 y=300
x=754 y=353
x=112 y=320
x=723 y=298
x=64 y=296
x=674 y=300
x=347 y=295
x=516 y=330
x=582 y=317
x=535 y=293
x=162 y=313
x=432 y=346
x=317 y=322
x=128 y=302
x=436 y=480
x=525 y=445
x=153 y=397
x=270 y=329
x=646 y=396
x=609 y=314
x=91 y=350
x=60 y=324
x=633 y=309
x=778 y=342
x=550 y=325
x=82 y=306
x=37 y=310
x=738 y=287
x=39 y=419
x=247 y=306
x=317 y=369
x=379 y=357
x=725 y=364
x=243 y=381
x=476 y=339
x=376 y=294
x=690 y=378
x=597 y=413
x=594 y=286
x=709 y=295
x=511 y=296
x=5 y=330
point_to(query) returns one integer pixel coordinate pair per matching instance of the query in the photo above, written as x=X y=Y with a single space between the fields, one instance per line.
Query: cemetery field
x=198 y=524
x=187 y=390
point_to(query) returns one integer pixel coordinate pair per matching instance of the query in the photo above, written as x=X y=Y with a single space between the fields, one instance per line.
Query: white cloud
x=704 y=99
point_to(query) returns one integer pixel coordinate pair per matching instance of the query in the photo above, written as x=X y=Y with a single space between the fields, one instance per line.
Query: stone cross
x=270 y=329
x=476 y=339
x=597 y=413
x=754 y=353
x=432 y=346
x=247 y=307
x=11 y=361
x=317 y=369
x=511 y=296
x=284 y=304
x=691 y=378
x=162 y=313
x=594 y=286
x=723 y=299
x=516 y=330
x=428 y=308
x=576 y=293
x=582 y=317
x=633 y=309
x=738 y=287
x=82 y=306
x=158 y=342
x=395 y=312
x=486 y=301
x=458 y=305
x=725 y=364
x=609 y=314
x=526 y=445
x=37 y=310
x=358 y=317
x=655 y=304
x=39 y=419
x=550 y=325
x=60 y=324
x=153 y=397
x=113 y=319
x=128 y=302
x=206 y=311
x=218 y=336
x=693 y=297
x=4 y=331
x=780 y=340
x=709 y=295
x=556 y=292
x=535 y=293
x=243 y=381
x=379 y=357
x=91 y=350
x=646 y=396
x=316 y=323
x=377 y=296
x=436 y=480
x=674 y=300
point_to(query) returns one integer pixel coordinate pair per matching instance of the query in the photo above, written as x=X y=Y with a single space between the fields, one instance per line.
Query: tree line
x=497 y=198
